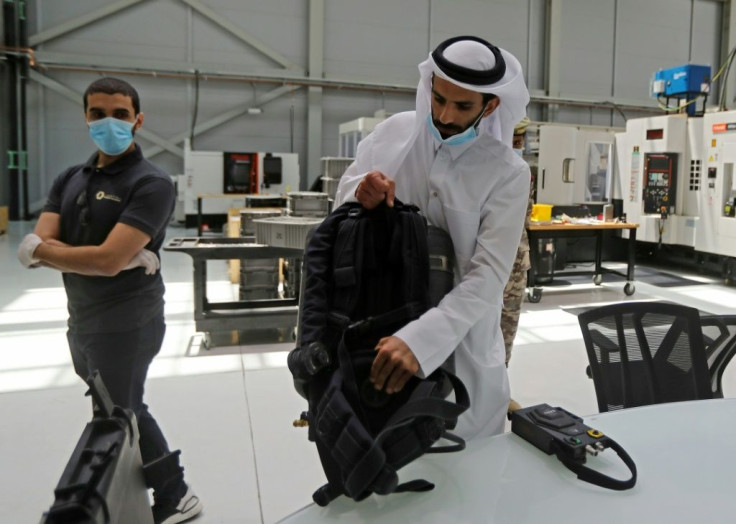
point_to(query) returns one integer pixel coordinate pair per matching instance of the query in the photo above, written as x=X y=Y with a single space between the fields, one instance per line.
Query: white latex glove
x=145 y=259
x=26 y=249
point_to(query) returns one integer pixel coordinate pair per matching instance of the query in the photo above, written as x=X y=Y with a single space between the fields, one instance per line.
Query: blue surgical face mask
x=455 y=140
x=111 y=135
x=519 y=152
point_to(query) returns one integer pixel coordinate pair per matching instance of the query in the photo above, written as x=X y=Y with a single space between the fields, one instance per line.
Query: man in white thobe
x=453 y=158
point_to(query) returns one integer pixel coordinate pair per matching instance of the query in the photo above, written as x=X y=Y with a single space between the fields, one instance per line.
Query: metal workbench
x=537 y=231
x=241 y=315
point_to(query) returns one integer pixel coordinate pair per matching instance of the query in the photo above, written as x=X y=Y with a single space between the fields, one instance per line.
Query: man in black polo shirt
x=102 y=227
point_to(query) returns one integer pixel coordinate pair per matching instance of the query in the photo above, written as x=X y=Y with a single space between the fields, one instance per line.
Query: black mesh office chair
x=652 y=352
x=719 y=336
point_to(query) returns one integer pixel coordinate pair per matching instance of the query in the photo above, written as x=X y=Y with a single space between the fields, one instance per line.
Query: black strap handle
x=420 y=404
x=459 y=444
x=415 y=486
x=592 y=476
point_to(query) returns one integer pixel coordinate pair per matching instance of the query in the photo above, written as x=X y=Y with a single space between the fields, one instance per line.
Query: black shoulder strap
x=415 y=254
x=318 y=262
x=348 y=259
x=592 y=476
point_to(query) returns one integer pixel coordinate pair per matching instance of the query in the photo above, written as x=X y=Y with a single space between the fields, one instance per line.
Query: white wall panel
x=378 y=39
x=153 y=30
x=652 y=35
x=54 y=13
x=587 y=47
x=280 y=24
x=503 y=23
x=707 y=42
x=536 y=36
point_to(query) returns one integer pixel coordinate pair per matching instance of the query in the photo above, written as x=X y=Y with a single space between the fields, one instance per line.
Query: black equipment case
x=103 y=481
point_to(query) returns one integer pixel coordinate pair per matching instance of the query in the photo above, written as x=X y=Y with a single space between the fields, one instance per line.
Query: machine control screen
x=658 y=179
x=660 y=171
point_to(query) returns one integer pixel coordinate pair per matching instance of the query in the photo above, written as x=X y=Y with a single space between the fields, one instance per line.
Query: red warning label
x=723 y=127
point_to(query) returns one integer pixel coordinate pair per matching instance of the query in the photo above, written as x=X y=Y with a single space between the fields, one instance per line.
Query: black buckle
x=338 y=319
x=360 y=328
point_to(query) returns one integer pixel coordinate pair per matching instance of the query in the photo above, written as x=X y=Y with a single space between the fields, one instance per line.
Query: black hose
x=196 y=108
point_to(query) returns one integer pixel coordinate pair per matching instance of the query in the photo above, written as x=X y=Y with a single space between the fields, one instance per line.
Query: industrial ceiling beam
x=80 y=21
x=238 y=32
x=77 y=99
x=140 y=65
x=223 y=117
x=283 y=77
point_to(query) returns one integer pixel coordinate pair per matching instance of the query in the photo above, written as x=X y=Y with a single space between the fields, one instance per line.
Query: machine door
x=240 y=173
x=660 y=183
x=556 y=165
x=598 y=172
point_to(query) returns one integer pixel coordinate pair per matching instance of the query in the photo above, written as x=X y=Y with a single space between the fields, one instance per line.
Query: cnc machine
x=575 y=164
x=716 y=230
x=659 y=176
x=226 y=176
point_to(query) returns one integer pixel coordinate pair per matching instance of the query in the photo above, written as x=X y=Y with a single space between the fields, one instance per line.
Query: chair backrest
x=645 y=353
x=719 y=336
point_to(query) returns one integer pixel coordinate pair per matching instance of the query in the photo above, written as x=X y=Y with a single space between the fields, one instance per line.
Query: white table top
x=685 y=454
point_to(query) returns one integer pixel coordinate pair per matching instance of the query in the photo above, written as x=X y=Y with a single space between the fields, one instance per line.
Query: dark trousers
x=122 y=360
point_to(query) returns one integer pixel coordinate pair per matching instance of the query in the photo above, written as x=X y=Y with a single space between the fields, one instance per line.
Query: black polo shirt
x=90 y=201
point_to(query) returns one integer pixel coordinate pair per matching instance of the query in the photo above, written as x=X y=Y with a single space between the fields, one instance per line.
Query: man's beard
x=448 y=130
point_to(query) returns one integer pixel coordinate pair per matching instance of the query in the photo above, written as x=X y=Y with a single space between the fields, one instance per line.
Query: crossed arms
x=122 y=249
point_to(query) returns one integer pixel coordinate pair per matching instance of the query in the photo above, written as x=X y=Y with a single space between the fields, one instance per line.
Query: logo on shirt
x=101 y=195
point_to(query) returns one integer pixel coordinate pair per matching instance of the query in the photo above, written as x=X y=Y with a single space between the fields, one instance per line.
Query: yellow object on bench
x=541 y=212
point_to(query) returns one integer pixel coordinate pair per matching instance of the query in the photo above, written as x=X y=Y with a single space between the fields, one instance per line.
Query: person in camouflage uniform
x=513 y=293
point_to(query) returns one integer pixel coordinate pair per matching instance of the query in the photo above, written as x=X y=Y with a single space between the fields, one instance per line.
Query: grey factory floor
x=230 y=408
